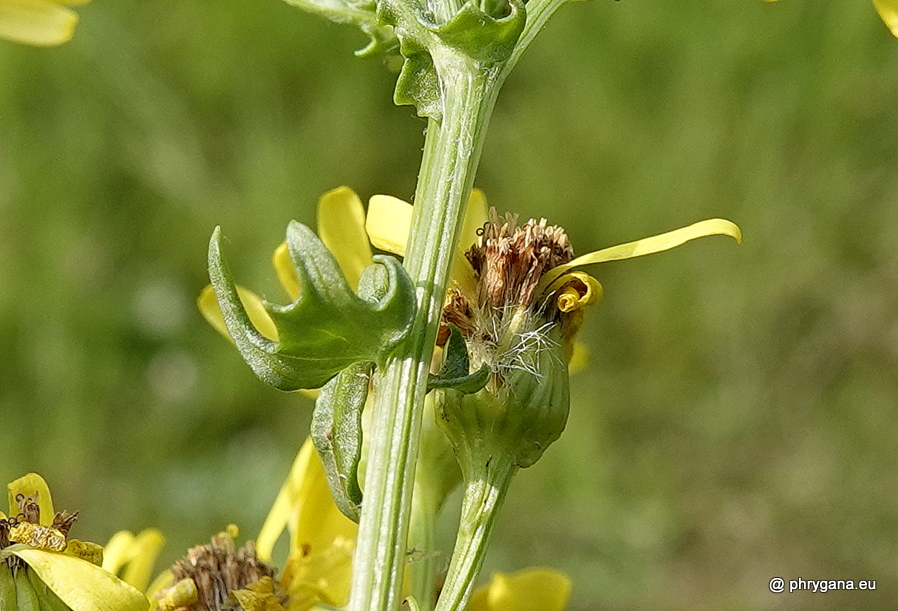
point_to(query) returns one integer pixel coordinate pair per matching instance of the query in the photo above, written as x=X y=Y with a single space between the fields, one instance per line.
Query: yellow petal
x=480 y=599
x=179 y=595
x=305 y=505
x=34 y=486
x=321 y=576
x=475 y=217
x=576 y=290
x=142 y=558
x=132 y=557
x=888 y=11
x=258 y=596
x=209 y=308
x=389 y=223
x=533 y=589
x=116 y=551
x=283 y=265
x=85 y=550
x=579 y=358
x=37 y=22
x=341 y=227
x=163 y=581
x=80 y=584
x=646 y=246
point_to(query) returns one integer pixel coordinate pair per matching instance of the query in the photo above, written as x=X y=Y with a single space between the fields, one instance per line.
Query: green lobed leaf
x=328 y=328
x=418 y=84
x=456 y=367
x=337 y=434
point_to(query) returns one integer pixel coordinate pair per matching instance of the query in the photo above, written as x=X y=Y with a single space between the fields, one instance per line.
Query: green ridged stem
x=485 y=489
x=467 y=95
x=451 y=154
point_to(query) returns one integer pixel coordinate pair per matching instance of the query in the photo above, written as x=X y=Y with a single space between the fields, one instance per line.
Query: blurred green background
x=739 y=418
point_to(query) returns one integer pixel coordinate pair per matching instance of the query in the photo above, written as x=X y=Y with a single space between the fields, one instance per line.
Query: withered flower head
x=207 y=577
x=42 y=568
x=506 y=319
x=509 y=261
x=25 y=527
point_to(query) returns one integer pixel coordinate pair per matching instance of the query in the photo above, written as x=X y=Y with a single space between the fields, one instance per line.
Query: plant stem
x=485 y=489
x=451 y=154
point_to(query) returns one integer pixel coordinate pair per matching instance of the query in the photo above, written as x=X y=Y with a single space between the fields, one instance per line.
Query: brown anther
x=29 y=508
x=458 y=312
x=4 y=533
x=63 y=521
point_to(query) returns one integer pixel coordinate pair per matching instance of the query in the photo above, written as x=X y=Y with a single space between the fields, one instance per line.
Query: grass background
x=738 y=420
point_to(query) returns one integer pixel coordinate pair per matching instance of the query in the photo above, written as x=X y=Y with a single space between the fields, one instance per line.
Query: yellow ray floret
x=38 y=22
x=557 y=276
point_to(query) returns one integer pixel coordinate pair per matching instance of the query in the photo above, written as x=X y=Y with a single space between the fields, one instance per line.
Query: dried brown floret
x=217 y=569
x=509 y=261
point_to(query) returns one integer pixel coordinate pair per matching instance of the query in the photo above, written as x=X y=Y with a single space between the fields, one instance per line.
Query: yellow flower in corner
x=40 y=568
x=322 y=539
x=42 y=23
x=533 y=589
x=888 y=12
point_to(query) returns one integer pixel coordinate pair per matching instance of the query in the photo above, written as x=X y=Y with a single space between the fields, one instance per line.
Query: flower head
x=502 y=270
x=44 y=567
x=218 y=576
x=517 y=296
x=38 y=22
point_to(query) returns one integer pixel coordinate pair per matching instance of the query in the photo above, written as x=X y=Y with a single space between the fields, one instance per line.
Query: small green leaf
x=328 y=328
x=484 y=34
x=455 y=371
x=337 y=434
x=418 y=84
x=484 y=37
